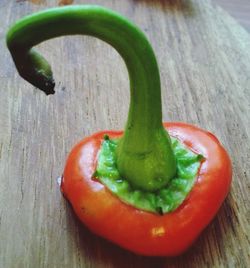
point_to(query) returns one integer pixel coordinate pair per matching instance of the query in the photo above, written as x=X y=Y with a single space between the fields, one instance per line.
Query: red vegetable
x=139 y=231
x=145 y=156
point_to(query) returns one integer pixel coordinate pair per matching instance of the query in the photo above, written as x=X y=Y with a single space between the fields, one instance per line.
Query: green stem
x=144 y=154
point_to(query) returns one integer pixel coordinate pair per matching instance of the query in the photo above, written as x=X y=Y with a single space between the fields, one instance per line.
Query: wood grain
x=239 y=9
x=204 y=58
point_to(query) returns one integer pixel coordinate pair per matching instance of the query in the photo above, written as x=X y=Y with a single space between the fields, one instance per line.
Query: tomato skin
x=142 y=232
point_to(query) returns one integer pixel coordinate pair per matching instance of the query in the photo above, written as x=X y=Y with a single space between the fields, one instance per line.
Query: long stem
x=144 y=125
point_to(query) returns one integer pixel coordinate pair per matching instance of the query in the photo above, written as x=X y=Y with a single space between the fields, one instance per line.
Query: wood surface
x=204 y=58
x=239 y=9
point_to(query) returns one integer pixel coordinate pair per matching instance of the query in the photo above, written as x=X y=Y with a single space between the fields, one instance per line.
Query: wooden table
x=239 y=9
x=204 y=58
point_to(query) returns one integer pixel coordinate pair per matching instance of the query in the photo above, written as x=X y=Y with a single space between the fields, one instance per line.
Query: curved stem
x=144 y=125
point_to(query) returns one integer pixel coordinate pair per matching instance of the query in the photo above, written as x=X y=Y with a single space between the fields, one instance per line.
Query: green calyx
x=144 y=154
x=165 y=200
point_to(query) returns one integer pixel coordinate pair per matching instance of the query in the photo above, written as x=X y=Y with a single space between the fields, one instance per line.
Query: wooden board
x=239 y=9
x=204 y=58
